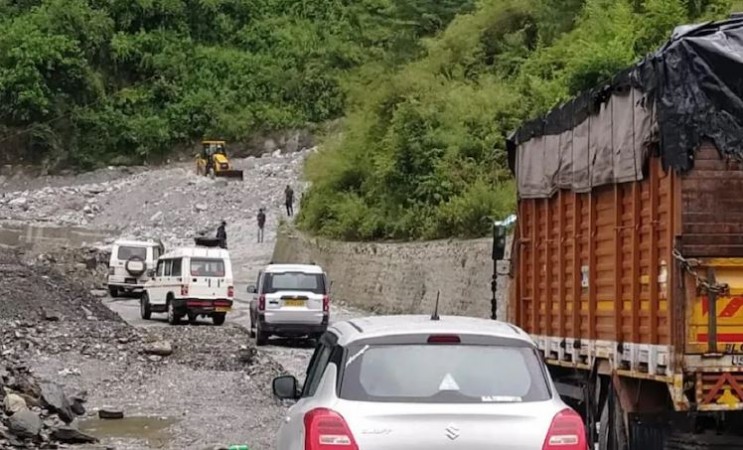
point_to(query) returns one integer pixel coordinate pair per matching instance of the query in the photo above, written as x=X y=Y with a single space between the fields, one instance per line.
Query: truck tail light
x=262 y=303
x=325 y=429
x=325 y=303
x=230 y=291
x=184 y=290
x=566 y=432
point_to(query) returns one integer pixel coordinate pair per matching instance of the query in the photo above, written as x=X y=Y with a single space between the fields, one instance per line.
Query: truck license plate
x=293 y=302
x=222 y=309
x=738 y=360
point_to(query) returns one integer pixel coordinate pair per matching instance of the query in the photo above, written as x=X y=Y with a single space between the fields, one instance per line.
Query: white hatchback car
x=129 y=263
x=190 y=282
x=426 y=383
x=290 y=300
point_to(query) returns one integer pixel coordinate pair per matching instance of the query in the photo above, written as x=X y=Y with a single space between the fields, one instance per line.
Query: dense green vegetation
x=88 y=82
x=422 y=152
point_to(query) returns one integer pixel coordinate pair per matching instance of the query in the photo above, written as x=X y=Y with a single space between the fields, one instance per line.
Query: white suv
x=129 y=263
x=289 y=300
x=190 y=282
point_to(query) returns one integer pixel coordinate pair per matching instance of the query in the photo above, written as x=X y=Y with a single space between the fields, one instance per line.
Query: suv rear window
x=126 y=252
x=443 y=374
x=293 y=281
x=202 y=267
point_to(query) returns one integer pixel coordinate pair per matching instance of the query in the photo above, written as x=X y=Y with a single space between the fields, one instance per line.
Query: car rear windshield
x=127 y=252
x=202 y=267
x=294 y=281
x=444 y=374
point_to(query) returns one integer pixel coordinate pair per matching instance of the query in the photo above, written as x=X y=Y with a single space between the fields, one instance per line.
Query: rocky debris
x=25 y=424
x=56 y=401
x=14 y=403
x=32 y=293
x=88 y=266
x=72 y=435
x=161 y=348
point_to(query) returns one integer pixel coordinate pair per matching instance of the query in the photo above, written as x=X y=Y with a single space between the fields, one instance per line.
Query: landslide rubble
x=64 y=356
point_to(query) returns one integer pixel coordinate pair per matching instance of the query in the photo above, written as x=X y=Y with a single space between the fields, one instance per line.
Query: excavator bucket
x=230 y=174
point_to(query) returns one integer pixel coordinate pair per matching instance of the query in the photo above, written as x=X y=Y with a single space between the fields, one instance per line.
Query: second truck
x=626 y=265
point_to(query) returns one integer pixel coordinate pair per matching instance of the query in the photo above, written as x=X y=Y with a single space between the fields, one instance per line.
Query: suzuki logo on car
x=452 y=432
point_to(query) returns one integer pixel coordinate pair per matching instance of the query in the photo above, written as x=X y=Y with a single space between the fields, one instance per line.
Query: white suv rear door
x=294 y=297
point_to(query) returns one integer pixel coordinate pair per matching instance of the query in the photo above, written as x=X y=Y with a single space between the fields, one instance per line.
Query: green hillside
x=422 y=152
x=87 y=82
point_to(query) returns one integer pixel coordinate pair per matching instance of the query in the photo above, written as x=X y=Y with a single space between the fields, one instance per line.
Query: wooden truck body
x=627 y=257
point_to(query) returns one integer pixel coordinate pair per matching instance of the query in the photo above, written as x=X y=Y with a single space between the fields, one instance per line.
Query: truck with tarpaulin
x=626 y=264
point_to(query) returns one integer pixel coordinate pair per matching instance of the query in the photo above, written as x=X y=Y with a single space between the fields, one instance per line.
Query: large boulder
x=55 y=400
x=25 y=424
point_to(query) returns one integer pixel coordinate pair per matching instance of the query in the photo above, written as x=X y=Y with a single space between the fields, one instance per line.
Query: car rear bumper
x=125 y=282
x=292 y=328
x=201 y=306
x=132 y=286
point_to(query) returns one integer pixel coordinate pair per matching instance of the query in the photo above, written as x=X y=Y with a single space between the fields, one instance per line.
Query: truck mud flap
x=646 y=433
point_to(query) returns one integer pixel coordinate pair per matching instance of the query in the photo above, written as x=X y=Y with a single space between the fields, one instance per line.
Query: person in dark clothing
x=289 y=192
x=261 y=224
x=222 y=235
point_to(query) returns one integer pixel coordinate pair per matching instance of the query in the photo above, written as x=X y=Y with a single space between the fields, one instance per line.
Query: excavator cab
x=212 y=161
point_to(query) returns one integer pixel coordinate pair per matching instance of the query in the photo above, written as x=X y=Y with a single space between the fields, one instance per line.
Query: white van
x=190 y=282
x=129 y=263
x=289 y=300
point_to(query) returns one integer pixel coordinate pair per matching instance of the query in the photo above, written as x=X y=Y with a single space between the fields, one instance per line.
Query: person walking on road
x=261 y=224
x=289 y=192
x=222 y=235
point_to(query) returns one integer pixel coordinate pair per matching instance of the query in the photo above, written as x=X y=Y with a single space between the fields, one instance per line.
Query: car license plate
x=293 y=302
x=222 y=308
x=131 y=280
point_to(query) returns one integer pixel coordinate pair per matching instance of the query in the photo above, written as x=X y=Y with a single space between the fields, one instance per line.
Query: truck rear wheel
x=173 y=317
x=612 y=430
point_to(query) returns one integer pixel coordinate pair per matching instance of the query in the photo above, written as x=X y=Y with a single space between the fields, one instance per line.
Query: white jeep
x=129 y=264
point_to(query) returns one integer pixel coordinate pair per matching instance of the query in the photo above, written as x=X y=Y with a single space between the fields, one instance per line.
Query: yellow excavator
x=213 y=161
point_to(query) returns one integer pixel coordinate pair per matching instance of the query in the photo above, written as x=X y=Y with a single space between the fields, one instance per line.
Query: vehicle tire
x=192 y=317
x=261 y=338
x=211 y=173
x=173 y=317
x=218 y=318
x=689 y=441
x=113 y=291
x=144 y=306
x=612 y=432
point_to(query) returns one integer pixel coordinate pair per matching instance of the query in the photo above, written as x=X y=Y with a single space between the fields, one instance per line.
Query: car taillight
x=325 y=303
x=566 y=432
x=262 y=303
x=443 y=339
x=230 y=291
x=184 y=290
x=325 y=429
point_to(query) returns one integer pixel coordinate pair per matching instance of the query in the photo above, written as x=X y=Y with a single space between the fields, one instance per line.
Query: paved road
x=293 y=355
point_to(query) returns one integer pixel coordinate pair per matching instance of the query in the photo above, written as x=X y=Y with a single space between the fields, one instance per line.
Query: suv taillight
x=566 y=432
x=325 y=429
x=230 y=291
x=184 y=290
x=262 y=303
x=325 y=303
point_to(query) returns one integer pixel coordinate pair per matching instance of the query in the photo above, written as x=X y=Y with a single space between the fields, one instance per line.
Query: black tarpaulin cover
x=696 y=83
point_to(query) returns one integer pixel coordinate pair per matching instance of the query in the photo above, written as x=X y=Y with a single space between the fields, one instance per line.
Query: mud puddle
x=153 y=430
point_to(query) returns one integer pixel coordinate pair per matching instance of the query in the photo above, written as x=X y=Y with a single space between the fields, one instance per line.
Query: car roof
x=198 y=252
x=129 y=243
x=351 y=330
x=305 y=268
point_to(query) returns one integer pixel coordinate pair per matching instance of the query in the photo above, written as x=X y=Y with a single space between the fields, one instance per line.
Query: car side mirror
x=286 y=387
x=251 y=289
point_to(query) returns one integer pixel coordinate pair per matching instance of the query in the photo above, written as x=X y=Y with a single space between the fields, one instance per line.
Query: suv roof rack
x=203 y=241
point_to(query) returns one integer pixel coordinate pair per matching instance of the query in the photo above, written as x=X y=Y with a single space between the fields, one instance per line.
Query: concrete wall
x=401 y=277
x=41 y=238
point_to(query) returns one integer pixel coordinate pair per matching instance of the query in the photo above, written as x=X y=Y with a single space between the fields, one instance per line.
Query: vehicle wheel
x=144 y=307
x=113 y=291
x=173 y=318
x=261 y=338
x=218 y=318
x=612 y=432
x=689 y=441
x=211 y=173
x=192 y=317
